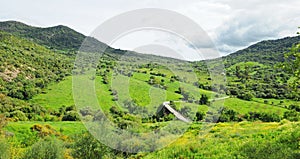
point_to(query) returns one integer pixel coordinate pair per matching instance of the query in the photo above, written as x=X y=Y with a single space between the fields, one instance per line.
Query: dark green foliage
x=203 y=100
x=265 y=117
x=246 y=96
x=292 y=115
x=199 y=116
x=71 y=116
x=228 y=115
x=59 y=37
x=295 y=107
x=266 y=52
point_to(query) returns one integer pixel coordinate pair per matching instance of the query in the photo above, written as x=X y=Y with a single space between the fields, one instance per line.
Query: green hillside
x=26 y=67
x=267 y=52
x=58 y=37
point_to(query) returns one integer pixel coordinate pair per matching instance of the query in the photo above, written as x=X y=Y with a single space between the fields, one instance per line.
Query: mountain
x=58 y=37
x=266 y=52
x=66 y=40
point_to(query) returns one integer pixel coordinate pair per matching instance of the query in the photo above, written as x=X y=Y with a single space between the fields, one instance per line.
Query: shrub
x=48 y=148
x=246 y=96
x=71 y=116
x=18 y=116
x=199 y=116
x=228 y=115
x=87 y=147
x=291 y=115
x=265 y=117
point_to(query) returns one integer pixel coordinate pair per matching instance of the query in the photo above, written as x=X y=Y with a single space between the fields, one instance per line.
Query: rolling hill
x=267 y=52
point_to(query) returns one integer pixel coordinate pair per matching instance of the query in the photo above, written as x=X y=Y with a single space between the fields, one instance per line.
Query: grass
x=56 y=95
x=224 y=140
x=137 y=89
x=244 y=107
x=68 y=127
x=277 y=102
x=60 y=94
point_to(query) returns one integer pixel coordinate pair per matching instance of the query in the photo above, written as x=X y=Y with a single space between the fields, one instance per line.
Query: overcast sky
x=231 y=24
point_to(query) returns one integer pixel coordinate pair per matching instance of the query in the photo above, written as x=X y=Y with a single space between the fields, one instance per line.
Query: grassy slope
x=60 y=94
x=243 y=106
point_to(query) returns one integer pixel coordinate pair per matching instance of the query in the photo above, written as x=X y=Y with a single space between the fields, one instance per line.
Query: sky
x=231 y=24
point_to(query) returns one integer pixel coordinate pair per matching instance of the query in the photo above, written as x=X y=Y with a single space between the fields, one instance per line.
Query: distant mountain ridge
x=58 y=37
x=63 y=38
x=66 y=39
x=265 y=52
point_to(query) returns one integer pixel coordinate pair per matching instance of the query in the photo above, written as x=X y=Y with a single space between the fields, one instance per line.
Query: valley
x=251 y=109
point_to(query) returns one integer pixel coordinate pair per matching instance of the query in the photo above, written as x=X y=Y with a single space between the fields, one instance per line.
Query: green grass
x=60 y=94
x=276 y=102
x=56 y=95
x=21 y=129
x=244 y=107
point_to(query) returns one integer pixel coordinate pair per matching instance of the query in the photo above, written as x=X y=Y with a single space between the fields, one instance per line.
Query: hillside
x=57 y=37
x=64 y=40
x=267 y=52
x=27 y=67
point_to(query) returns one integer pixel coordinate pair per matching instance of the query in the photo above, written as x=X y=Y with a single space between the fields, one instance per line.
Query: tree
x=228 y=115
x=292 y=64
x=199 y=116
x=203 y=100
x=238 y=71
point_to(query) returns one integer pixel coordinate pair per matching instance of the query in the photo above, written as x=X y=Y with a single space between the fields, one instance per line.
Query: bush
x=48 y=148
x=87 y=147
x=265 y=117
x=71 y=116
x=18 y=116
x=199 y=116
x=291 y=115
x=228 y=115
x=246 y=96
